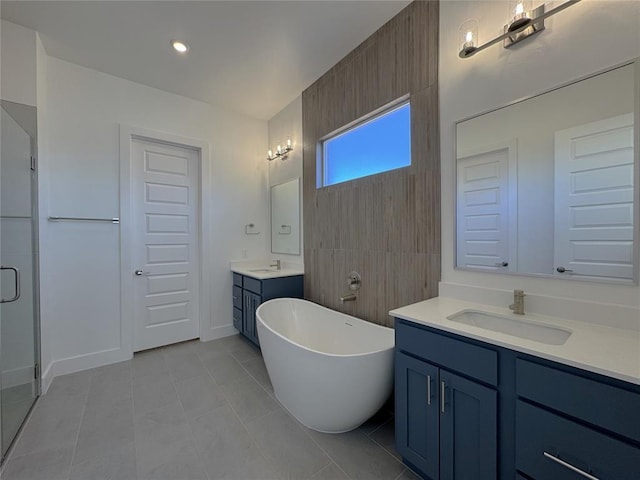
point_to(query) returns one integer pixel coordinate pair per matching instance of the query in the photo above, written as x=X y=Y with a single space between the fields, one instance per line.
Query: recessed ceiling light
x=180 y=47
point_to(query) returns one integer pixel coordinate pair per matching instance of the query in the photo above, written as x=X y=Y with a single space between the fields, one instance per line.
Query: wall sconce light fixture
x=280 y=151
x=524 y=22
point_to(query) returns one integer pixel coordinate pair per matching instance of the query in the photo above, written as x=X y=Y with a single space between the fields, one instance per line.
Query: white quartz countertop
x=609 y=351
x=263 y=272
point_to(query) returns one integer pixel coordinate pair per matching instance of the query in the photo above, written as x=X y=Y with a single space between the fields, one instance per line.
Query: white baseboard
x=17 y=376
x=106 y=357
x=82 y=362
x=218 y=332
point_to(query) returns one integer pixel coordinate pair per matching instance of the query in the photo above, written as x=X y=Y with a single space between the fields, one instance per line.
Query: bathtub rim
x=337 y=355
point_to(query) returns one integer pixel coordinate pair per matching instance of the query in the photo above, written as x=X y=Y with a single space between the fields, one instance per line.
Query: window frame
x=321 y=170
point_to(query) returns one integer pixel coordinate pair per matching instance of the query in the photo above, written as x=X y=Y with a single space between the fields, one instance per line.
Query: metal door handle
x=563 y=270
x=442 y=399
x=428 y=389
x=139 y=273
x=569 y=466
x=16 y=274
x=502 y=264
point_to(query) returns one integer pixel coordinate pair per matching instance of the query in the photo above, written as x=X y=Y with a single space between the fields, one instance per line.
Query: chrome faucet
x=276 y=263
x=518 y=302
x=348 y=298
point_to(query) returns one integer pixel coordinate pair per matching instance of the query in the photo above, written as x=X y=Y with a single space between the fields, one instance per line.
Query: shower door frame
x=35 y=253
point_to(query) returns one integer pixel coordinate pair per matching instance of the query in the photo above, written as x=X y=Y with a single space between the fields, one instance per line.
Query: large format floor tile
x=287 y=446
x=191 y=411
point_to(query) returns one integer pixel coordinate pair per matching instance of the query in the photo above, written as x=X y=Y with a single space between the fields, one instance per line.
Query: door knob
x=563 y=270
x=139 y=273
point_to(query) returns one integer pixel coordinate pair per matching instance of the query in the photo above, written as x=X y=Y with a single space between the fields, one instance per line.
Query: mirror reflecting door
x=19 y=352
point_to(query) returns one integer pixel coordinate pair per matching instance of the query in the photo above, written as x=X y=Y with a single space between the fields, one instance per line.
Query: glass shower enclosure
x=19 y=309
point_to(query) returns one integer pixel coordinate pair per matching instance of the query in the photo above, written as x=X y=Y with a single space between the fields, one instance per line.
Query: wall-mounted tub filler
x=353 y=281
x=348 y=298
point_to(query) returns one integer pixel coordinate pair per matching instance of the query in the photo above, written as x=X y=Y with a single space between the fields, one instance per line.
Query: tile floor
x=192 y=411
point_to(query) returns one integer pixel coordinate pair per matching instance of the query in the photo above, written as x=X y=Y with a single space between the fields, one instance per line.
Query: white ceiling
x=252 y=57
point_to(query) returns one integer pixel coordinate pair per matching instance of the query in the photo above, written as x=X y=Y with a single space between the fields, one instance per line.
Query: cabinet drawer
x=237 y=319
x=237 y=297
x=541 y=434
x=252 y=285
x=606 y=406
x=456 y=355
x=237 y=279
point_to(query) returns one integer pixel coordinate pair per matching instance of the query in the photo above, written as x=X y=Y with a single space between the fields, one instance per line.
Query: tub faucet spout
x=348 y=298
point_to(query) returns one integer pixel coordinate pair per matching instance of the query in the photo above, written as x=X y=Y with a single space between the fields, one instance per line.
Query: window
x=376 y=145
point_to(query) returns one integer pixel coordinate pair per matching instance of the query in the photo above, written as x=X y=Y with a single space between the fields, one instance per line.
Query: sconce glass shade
x=519 y=13
x=468 y=37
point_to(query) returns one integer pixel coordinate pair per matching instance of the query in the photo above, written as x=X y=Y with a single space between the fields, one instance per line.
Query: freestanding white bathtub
x=330 y=370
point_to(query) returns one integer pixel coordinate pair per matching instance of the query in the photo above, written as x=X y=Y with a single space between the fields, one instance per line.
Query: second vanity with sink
x=483 y=393
x=254 y=284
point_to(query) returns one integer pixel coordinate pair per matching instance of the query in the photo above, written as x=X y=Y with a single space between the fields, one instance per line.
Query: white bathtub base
x=330 y=391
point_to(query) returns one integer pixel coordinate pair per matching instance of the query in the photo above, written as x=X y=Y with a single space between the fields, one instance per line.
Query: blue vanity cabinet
x=502 y=414
x=446 y=424
x=249 y=293
x=417 y=428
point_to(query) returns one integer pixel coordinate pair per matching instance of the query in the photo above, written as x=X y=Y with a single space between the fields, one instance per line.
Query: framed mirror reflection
x=548 y=186
x=285 y=217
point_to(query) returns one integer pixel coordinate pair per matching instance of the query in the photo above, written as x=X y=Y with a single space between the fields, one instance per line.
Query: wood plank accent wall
x=386 y=226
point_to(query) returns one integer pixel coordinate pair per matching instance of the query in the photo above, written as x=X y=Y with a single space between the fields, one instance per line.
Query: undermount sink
x=538 y=332
x=263 y=270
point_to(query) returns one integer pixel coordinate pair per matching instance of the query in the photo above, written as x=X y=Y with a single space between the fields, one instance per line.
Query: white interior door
x=165 y=250
x=594 y=199
x=486 y=201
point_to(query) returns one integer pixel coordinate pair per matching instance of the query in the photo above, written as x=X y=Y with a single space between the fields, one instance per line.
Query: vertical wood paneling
x=387 y=226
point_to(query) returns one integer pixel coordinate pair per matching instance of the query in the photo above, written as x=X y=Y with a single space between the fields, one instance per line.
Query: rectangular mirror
x=545 y=186
x=285 y=217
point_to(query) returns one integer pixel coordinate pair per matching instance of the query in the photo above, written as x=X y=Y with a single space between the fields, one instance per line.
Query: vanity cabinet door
x=468 y=429
x=248 y=315
x=255 y=302
x=250 y=302
x=417 y=411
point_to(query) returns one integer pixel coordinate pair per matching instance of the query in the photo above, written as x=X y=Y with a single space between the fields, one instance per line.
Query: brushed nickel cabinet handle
x=428 y=389
x=569 y=466
x=443 y=386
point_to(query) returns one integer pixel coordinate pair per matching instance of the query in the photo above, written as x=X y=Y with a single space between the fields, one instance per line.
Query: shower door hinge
x=33 y=163
x=36 y=371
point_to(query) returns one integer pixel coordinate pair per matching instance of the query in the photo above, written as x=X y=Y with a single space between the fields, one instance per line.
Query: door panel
x=468 y=426
x=486 y=235
x=594 y=199
x=416 y=398
x=165 y=205
x=19 y=354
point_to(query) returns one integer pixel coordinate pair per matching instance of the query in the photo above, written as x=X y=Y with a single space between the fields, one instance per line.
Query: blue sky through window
x=379 y=145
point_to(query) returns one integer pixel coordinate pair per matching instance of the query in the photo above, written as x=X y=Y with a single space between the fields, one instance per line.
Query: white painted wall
x=287 y=124
x=585 y=38
x=80 y=264
x=18 y=71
